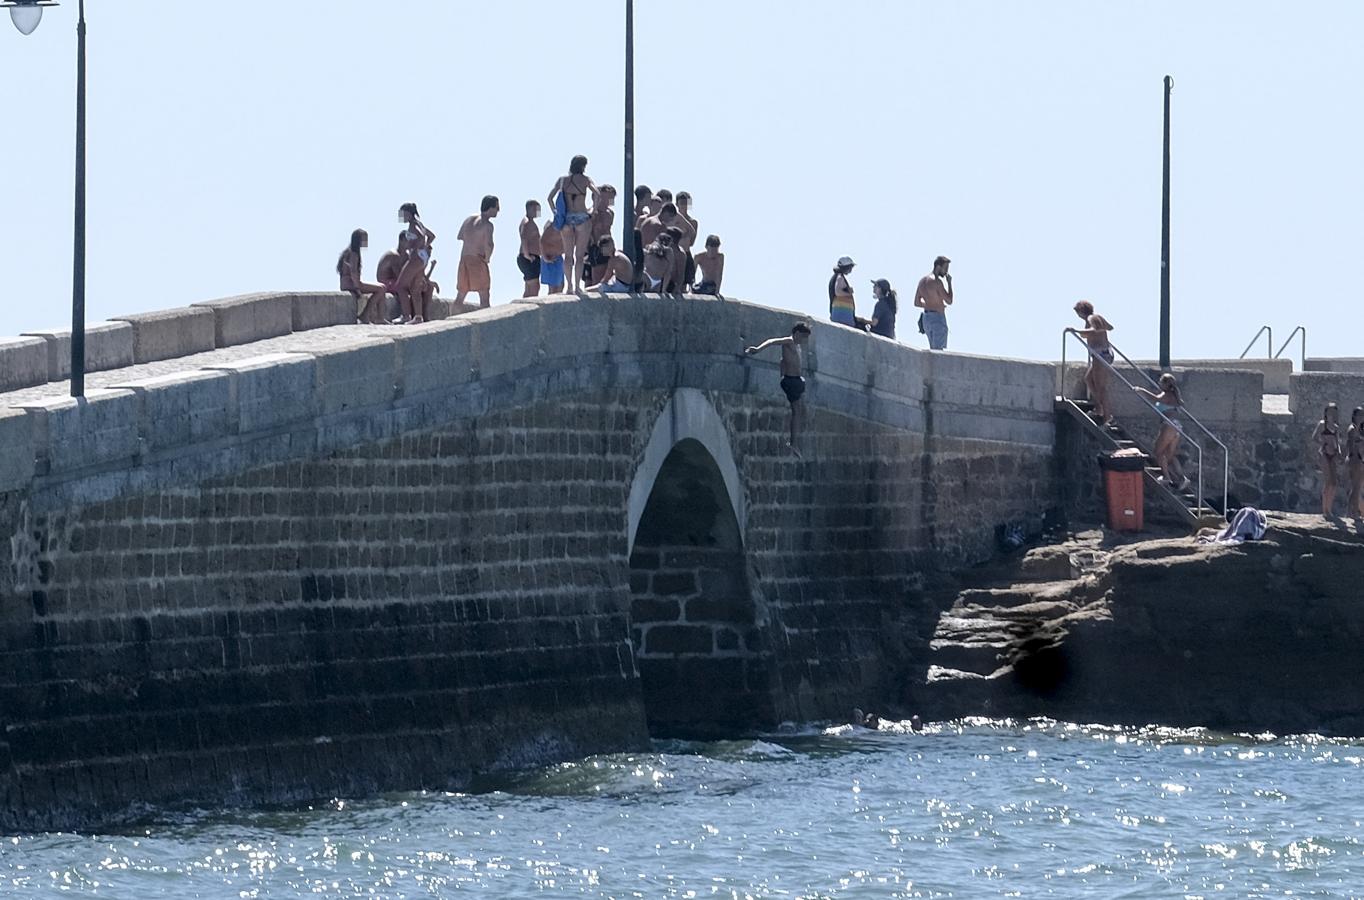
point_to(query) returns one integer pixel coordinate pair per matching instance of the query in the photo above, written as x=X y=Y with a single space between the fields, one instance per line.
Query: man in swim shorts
x=792 y=382
x=711 y=263
x=528 y=259
x=477 y=252
x=552 y=258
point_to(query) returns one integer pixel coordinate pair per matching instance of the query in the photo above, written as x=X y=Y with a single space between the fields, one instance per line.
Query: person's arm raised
x=770 y=342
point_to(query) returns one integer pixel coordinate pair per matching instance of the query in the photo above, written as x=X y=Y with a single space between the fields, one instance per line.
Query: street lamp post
x=26 y=14
x=628 y=234
x=1165 y=237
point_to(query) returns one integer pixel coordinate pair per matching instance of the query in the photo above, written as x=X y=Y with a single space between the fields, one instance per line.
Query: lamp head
x=26 y=14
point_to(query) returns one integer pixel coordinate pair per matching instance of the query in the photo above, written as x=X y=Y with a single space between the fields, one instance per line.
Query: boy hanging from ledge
x=792 y=382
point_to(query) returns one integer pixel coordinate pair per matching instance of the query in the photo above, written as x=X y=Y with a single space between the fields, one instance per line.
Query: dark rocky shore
x=1265 y=636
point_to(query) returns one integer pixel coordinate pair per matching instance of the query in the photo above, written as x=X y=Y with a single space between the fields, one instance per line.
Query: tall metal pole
x=629 y=195
x=78 y=248
x=1165 y=238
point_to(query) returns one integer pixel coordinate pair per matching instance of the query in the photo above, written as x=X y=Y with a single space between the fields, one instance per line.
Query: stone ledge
x=108 y=345
x=16 y=448
x=322 y=310
x=23 y=362
x=358 y=375
x=184 y=407
x=170 y=333
x=249 y=318
x=71 y=433
x=272 y=390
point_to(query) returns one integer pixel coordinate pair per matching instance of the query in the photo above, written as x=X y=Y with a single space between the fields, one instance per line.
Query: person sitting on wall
x=887 y=307
x=711 y=264
x=659 y=261
x=1095 y=334
x=615 y=269
x=348 y=266
x=792 y=381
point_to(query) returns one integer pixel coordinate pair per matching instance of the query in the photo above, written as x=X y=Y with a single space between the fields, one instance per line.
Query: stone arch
x=688 y=415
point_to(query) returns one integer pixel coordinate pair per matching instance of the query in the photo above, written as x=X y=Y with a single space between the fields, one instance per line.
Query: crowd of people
x=573 y=251
x=932 y=296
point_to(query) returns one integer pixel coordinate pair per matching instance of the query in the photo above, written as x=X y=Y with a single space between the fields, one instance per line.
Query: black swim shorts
x=530 y=268
x=794 y=386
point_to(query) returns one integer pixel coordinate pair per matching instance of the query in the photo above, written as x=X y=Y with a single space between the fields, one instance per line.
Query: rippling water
x=975 y=809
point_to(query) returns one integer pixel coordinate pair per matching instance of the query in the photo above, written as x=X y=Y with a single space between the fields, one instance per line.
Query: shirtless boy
x=683 y=210
x=792 y=382
x=711 y=263
x=933 y=296
x=552 y=258
x=1095 y=334
x=659 y=259
x=650 y=229
x=528 y=258
x=477 y=236
x=616 y=271
x=603 y=218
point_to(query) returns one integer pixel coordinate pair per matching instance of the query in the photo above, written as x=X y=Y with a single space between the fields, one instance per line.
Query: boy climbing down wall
x=792 y=382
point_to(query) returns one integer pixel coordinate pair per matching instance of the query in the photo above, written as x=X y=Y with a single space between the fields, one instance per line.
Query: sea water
x=965 y=809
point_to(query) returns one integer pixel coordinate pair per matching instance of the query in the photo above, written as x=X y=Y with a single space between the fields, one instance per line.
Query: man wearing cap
x=842 y=308
x=933 y=296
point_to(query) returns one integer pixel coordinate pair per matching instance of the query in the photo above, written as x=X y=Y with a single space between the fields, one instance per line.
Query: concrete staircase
x=1183 y=504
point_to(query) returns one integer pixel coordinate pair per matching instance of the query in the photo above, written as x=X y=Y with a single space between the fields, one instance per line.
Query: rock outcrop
x=1265 y=636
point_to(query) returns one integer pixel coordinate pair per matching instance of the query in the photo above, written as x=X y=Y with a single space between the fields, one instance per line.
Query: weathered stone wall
x=397 y=562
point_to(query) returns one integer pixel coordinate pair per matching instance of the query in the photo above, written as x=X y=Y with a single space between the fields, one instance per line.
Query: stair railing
x=1184 y=410
x=1269 y=342
x=1300 y=330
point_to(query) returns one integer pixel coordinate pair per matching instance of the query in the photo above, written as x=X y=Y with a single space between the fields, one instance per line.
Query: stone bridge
x=268 y=561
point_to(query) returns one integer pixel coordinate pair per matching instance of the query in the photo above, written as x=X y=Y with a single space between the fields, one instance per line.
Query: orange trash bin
x=1124 y=491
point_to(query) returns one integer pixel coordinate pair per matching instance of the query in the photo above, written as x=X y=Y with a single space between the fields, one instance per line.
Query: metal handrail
x=1226 y=454
x=1269 y=342
x=1301 y=329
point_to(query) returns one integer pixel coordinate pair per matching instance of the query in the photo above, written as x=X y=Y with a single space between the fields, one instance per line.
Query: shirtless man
x=653 y=226
x=1095 y=334
x=643 y=210
x=391 y=266
x=552 y=258
x=616 y=271
x=933 y=296
x=477 y=236
x=683 y=210
x=792 y=382
x=659 y=260
x=603 y=218
x=711 y=263
x=528 y=258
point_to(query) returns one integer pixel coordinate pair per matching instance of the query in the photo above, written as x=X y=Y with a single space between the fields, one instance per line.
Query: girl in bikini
x=1326 y=439
x=1354 y=462
x=419 y=241
x=348 y=267
x=568 y=199
x=1166 y=450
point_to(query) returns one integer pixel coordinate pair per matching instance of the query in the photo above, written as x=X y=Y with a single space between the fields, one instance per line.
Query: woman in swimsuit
x=348 y=267
x=1166 y=450
x=1095 y=334
x=1326 y=439
x=1354 y=462
x=568 y=198
x=419 y=241
x=842 y=307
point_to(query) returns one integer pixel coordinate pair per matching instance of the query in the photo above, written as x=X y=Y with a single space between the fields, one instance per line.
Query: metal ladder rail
x=1302 y=351
x=1226 y=454
x=1144 y=399
x=1269 y=342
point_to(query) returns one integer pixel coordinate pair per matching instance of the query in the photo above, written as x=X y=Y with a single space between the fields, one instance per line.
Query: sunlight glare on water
x=976 y=808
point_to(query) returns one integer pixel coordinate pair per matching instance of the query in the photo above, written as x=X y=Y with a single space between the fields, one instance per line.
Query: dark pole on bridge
x=1165 y=237
x=628 y=197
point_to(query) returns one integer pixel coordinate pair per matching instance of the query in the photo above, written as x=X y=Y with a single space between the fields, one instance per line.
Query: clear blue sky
x=233 y=146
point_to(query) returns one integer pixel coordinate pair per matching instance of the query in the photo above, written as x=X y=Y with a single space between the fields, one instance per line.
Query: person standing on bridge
x=842 y=306
x=792 y=381
x=528 y=259
x=419 y=241
x=933 y=296
x=1095 y=334
x=568 y=202
x=476 y=234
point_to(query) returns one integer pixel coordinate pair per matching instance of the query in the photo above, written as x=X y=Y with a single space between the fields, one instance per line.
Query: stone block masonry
x=23 y=362
x=171 y=333
x=403 y=556
x=252 y=317
x=108 y=345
